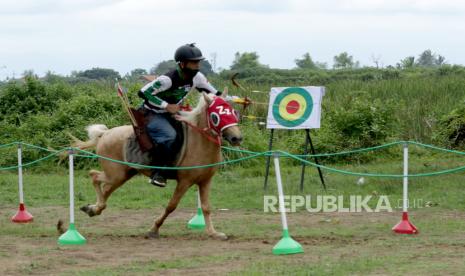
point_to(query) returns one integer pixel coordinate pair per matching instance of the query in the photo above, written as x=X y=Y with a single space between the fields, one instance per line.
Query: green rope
x=8 y=145
x=352 y=151
x=448 y=171
x=32 y=162
x=36 y=147
x=436 y=148
x=92 y=155
x=326 y=154
x=252 y=155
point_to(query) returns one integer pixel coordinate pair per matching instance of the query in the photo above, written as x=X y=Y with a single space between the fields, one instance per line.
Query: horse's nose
x=236 y=140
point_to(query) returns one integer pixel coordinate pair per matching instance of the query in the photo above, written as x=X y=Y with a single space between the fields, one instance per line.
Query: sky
x=74 y=35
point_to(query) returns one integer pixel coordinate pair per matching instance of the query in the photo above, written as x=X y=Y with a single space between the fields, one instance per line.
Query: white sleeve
x=201 y=83
x=161 y=83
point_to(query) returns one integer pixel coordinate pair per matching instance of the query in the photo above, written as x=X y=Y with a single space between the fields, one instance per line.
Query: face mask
x=191 y=72
x=221 y=115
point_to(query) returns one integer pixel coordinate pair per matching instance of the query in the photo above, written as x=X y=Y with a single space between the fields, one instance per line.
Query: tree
x=343 y=60
x=305 y=62
x=138 y=72
x=99 y=73
x=135 y=74
x=426 y=59
x=430 y=59
x=321 y=65
x=407 y=62
x=52 y=77
x=440 y=60
x=206 y=68
x=167 y=65
x=376 y=60
x=247 y=60
x=163 y=67
x=29 y=73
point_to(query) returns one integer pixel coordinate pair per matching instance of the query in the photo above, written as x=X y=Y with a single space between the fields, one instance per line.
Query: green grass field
x=334 y=243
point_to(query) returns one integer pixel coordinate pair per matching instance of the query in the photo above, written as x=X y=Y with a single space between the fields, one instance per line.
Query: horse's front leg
x=179 y=192
x=204 y=190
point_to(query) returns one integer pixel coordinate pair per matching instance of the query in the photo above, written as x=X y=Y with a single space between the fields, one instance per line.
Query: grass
x=241 y=187
x=336 y=244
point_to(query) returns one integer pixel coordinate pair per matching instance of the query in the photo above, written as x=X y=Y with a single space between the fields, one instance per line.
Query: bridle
x=220 y=115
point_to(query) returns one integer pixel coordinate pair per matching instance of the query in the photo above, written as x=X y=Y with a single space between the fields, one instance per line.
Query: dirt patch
x=116 y=241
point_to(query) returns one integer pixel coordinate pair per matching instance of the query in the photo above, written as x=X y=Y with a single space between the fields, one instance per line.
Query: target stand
x=295 y=108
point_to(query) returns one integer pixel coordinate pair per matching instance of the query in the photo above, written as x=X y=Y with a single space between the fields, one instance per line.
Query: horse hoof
x=85 y=208
x=88 y=210
x=219 y=236
x=152 y=235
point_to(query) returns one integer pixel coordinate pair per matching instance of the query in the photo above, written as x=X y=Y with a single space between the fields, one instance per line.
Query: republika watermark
x=331 y=203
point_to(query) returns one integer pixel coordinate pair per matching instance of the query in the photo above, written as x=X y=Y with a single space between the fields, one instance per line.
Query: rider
x=163 y=97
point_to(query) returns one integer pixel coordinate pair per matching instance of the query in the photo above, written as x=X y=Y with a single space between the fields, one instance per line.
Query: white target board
x=295 y=107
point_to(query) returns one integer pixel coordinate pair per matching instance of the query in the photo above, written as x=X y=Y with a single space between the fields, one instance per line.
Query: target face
x=292 y=107
x=295 y=107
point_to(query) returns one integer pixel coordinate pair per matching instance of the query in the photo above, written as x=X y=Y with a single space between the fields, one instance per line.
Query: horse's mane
x=193 y=116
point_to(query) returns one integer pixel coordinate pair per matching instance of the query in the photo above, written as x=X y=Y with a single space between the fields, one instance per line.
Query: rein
x=205 y=132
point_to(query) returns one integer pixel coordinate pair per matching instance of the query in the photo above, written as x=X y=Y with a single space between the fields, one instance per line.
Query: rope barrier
x=8 y=145
x=253 y=154
x=92 y=155
x=328 y=154
x=448 y=171
x=33 y=162
x=436 y=148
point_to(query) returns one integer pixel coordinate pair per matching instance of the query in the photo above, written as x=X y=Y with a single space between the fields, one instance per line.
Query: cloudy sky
x=62 y=36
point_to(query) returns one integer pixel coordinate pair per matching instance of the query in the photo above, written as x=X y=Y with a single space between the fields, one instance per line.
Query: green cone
x=287 y=245
x=71 y=237
x=198 y=221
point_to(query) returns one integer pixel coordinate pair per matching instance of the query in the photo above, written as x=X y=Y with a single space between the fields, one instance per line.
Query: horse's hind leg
x=97 y=178
x=104 y=186
x=179 y=192
x=204 y=189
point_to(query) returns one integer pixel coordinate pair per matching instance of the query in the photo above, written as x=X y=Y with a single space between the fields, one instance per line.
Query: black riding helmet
x=188 y=52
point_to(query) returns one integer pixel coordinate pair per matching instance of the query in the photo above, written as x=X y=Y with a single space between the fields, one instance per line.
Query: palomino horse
x=212 y=115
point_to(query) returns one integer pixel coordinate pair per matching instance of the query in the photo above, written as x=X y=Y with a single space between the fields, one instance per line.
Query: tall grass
x=419 y=99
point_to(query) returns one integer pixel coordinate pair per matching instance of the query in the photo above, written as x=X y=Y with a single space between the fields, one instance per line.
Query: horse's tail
x=94 y=132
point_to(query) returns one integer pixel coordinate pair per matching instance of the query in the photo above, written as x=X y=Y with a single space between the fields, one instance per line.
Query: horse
x=212 y=118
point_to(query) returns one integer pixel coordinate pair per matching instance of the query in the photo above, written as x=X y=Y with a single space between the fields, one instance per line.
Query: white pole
x=199 y=204
x=405 y=195
x=280 y=191
x=71 y=187
x=20 y=175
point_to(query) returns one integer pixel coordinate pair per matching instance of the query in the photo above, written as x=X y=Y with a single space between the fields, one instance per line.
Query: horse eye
x=215 y=118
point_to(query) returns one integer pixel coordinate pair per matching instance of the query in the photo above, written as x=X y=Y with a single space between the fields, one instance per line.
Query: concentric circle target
x=292 y=107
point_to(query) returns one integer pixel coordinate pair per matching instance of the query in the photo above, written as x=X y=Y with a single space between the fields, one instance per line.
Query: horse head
x=222 y=118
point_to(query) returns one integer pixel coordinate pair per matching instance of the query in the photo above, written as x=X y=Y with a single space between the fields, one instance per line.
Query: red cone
x=404 y=226
x=22 y=216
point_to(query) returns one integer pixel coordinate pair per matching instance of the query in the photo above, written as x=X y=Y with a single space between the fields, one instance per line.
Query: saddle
x=138 y=151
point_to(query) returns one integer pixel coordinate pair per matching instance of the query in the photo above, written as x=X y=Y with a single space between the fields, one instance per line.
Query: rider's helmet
x=188 y=52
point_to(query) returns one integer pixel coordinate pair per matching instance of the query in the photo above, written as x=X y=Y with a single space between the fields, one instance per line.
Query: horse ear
x=207 y=99
x=225 y=92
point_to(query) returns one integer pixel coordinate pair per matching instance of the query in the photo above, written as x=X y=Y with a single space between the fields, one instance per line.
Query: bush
x=21 y=100
x=450 y=129
x=360 y=122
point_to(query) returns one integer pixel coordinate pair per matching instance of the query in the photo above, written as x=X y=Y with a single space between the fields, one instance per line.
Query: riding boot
x=161 y=157
x=157 y=178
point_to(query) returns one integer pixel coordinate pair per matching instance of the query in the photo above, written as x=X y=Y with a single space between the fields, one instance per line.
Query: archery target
x=295 y=107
